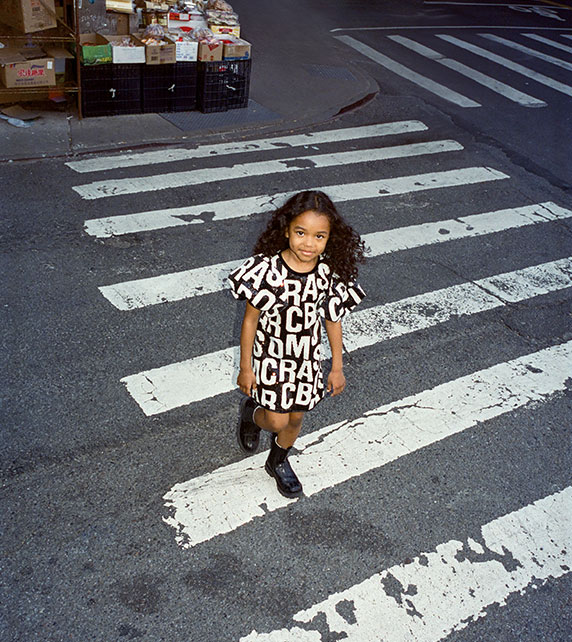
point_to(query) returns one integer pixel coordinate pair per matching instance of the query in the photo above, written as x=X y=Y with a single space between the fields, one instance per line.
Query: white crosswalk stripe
x=130 y=295
x=226 y=501
x=547 y=41
x=178 y=384
x=104 y=189
x=469 y=68
x=312 y=140
x=527 y=50
x=409 y=74
x=495 y=85
x=509 y=64
x=238 y=208
x=234 y=495
x=453 y=585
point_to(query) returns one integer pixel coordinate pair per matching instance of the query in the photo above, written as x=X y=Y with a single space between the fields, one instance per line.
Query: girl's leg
x=286 y=425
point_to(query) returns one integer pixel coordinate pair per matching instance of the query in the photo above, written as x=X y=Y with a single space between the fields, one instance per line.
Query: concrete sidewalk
x=292 y=87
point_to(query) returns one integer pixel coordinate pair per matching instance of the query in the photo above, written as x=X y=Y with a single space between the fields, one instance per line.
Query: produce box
x=236 y=49
x=186 y=50
x=210 y=51
x=185 y=21
x=94 y=49
x=26 y=68
x=126 y=55
x=225 y=29
x=27 y=16
x=161 y=54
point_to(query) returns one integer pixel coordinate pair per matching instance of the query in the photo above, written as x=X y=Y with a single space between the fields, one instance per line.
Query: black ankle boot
x=247 y=432
x=277 y=466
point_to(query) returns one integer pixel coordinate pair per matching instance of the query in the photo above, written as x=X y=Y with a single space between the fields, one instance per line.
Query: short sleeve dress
x=287 y=348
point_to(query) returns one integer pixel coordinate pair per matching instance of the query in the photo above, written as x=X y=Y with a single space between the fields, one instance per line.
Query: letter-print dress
x=286 y=355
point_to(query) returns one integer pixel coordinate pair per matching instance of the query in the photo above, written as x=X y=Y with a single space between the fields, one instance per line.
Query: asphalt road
x=90 y=551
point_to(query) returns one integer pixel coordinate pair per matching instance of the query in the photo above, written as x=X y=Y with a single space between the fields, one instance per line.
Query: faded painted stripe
x=231 y=496
x=205 y=376
x=139 y=293
x=444 y=590
x=399 y=69
x=509 y=64
x=527 y=50
x=264 y=144
x=491 y=83
x=119 y=187
x=236 y=208
x=547 y=41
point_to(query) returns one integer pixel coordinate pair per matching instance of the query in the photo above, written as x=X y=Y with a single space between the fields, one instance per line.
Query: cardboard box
x=94 y=49
x=60 y=55
x=187 y=50
x=236 y=49
x=161 y=54
x=225 y=30
x=187 y=21
x=28 y=16
x=126 y=55
x=21 y=68
x=210 y=51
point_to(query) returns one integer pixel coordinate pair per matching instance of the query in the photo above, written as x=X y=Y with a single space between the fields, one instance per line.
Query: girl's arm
x=336 y=379
x=246 y=380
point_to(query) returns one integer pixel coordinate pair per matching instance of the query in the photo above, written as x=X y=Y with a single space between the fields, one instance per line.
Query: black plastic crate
x=126 y=81
x=157 y=88
x=223 y=85
x=185 y=93
x=109 y=89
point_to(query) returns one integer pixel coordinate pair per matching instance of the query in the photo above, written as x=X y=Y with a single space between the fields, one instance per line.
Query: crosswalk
x=233 y=496
x=486 y=57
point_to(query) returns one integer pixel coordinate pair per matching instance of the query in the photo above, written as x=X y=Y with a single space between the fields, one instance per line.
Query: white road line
x=442 y=591
x=139 y=293
x=527 y=50
x=491 y=83
x=509 y=64
x=440 y=27
x=547 y=41
x=103 y=189
x=236 y=208
x=179 y=384
x=206 y=151
x=566 y=36
x=409 y=74
x=231 y=496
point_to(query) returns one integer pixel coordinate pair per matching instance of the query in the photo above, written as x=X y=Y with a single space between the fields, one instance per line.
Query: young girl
x=303 y=268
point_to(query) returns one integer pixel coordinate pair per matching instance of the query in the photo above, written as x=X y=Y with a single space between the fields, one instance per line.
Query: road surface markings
x=222 y=210
x=547 y=41
x=103 y=189
x=444 y=590
x=182 y=383
x=491 y=83
x=231 y=496
x=440 y=27
x=527 y=50
x=408 y=74
x=265 y=144
x=509 y=64
x=139 y=293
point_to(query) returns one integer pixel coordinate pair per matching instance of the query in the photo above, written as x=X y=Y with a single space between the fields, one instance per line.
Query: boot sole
x=282 y=492
x=248 y=451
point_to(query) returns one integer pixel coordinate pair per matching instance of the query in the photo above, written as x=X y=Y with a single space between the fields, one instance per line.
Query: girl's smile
x=307 y=236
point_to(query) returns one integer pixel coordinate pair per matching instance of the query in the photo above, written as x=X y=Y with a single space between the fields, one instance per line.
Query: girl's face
x=307 y=236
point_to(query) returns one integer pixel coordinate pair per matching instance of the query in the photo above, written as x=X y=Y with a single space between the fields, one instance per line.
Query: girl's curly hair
x=344 y=249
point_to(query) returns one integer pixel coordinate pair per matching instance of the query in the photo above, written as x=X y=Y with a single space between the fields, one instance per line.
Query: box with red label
x=225 y=30
x=21 y=68
x=185 y=21
x=211 y=51
x=28 y=16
